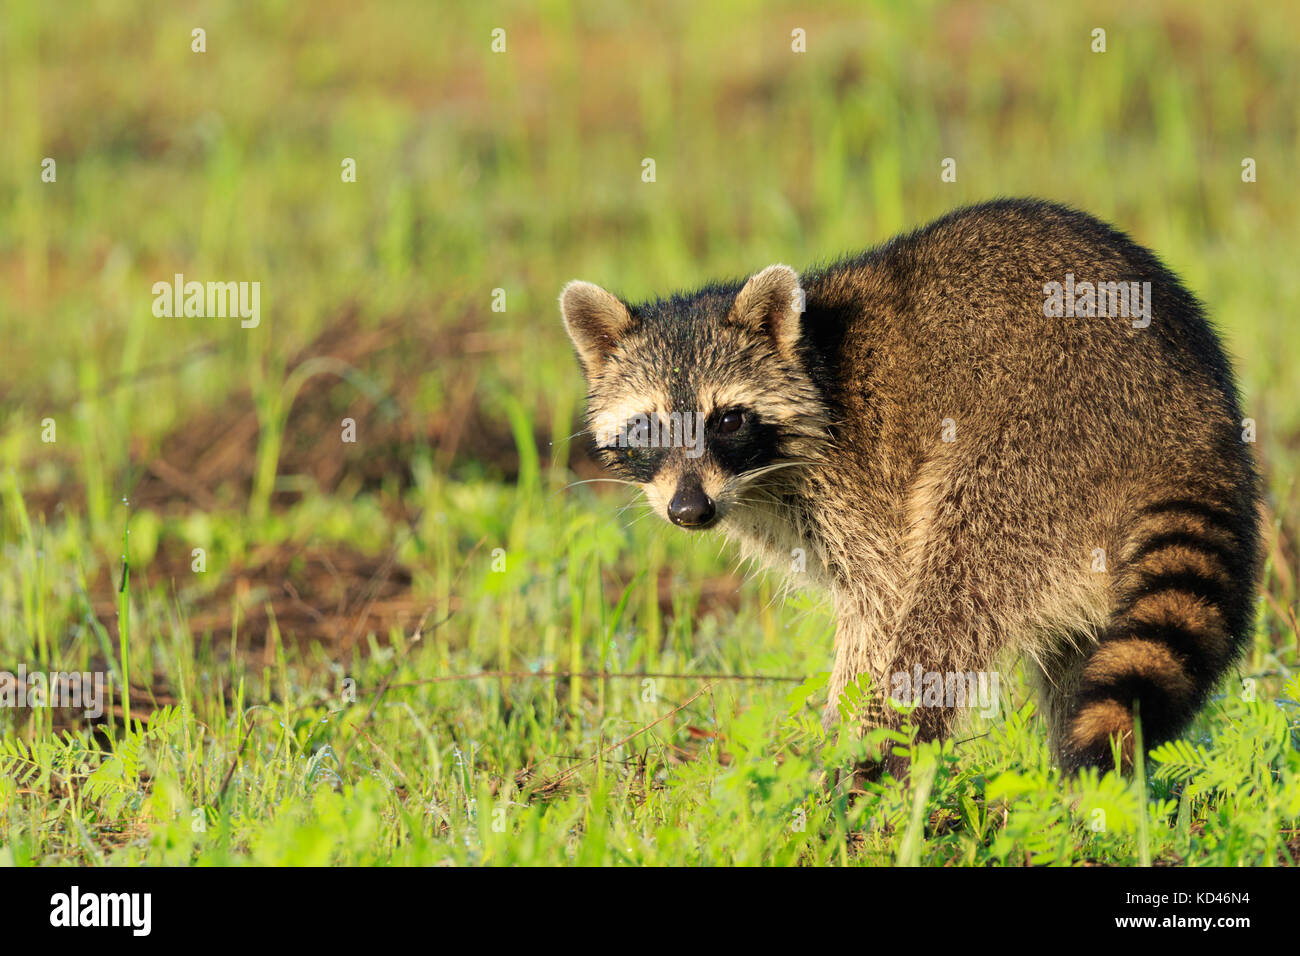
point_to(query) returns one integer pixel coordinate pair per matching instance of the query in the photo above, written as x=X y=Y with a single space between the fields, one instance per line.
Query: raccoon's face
x=702 y=400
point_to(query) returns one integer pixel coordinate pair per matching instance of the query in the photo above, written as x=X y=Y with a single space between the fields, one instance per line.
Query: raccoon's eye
x=730 y=422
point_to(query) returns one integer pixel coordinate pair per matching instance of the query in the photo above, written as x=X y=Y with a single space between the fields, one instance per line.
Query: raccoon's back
x=949 y=322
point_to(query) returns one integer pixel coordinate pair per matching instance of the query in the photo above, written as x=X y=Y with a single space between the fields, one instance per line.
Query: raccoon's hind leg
x=1055 y=673
x=979 y=551
x=1182 y=608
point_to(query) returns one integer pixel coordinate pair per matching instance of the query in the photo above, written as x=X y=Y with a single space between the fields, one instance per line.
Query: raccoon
x=1010 y=432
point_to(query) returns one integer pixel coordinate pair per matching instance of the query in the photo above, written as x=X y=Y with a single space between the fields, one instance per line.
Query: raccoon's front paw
x=875 y=771
x=856 y=780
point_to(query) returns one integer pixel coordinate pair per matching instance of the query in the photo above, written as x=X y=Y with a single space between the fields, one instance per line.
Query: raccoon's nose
x=691 y=507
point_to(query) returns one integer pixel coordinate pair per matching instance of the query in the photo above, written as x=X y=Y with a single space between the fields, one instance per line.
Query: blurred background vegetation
x=517 y=171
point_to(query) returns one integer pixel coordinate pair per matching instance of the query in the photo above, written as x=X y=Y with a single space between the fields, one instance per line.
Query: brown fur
x=1072 y=434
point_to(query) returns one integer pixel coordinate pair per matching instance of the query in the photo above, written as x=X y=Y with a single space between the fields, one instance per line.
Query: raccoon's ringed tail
x=1181 y=615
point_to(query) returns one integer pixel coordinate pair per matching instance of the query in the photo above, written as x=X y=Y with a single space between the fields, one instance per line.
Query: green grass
x=260 y=734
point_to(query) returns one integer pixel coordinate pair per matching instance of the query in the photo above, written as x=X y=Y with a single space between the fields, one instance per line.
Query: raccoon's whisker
x=589 y=481
x=636 y=501
x=746 y=480
x=756 y=494
x=733 y=497
x=746 y=476
x=740 y=563
x=637 y=520
x=748 y=501
x=560 y=444
x=755 y=572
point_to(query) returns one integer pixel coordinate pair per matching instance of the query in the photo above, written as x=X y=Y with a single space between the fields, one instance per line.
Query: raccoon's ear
x=594 y=319
x=771 y=303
